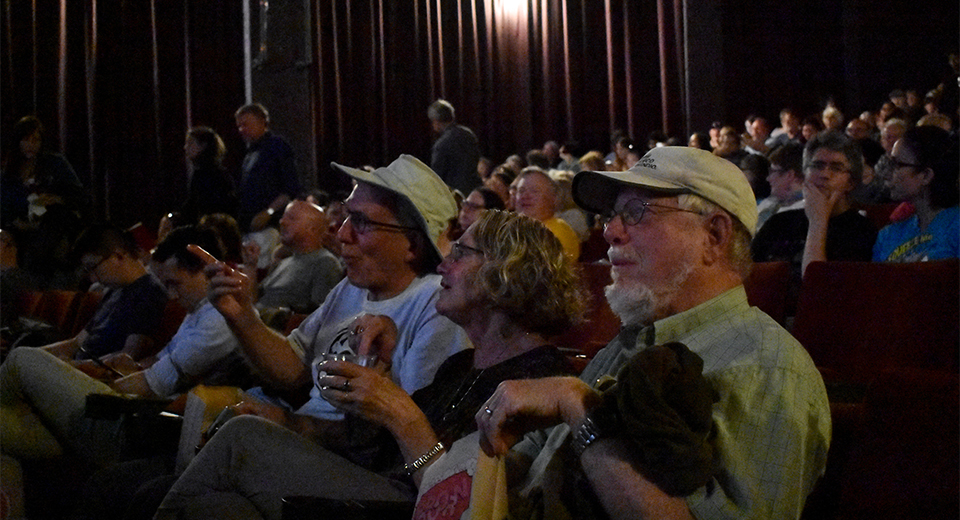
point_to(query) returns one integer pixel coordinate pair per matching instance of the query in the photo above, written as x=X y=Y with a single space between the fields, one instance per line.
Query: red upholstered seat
x=859 y=318
x=600 y=325
x=768 y=288
x=896 y=454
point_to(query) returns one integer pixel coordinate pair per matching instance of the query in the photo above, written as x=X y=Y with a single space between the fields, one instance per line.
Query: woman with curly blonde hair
x=507 y=282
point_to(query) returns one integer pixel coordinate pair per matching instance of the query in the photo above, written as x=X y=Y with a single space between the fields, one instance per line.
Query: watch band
x=585 y=436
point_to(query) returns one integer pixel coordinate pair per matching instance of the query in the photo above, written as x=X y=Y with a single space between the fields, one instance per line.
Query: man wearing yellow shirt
x=537 y=197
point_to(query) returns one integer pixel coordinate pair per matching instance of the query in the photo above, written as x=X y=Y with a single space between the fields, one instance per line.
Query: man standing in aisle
x=456 y=151
x=268 y=179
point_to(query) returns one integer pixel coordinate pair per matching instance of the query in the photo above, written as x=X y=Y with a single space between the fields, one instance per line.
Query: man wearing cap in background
x=395 y=216
x=679 y=228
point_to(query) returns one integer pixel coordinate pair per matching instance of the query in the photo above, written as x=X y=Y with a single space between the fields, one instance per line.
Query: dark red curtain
x=117 y=83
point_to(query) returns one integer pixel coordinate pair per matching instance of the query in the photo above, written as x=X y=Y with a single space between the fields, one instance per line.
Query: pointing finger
x=202 y=254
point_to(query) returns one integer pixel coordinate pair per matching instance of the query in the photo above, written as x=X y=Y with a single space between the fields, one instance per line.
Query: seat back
x=600 y=325
x=906 y=464
x=858 y=318
x=768 y=288
x=58 y=308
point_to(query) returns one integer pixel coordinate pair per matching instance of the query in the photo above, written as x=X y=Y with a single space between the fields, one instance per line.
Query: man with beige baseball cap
x=679 y=225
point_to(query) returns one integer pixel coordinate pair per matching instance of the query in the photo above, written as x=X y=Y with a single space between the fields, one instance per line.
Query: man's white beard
x=637 y=303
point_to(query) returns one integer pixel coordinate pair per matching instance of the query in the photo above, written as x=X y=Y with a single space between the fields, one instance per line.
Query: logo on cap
x=647 y=162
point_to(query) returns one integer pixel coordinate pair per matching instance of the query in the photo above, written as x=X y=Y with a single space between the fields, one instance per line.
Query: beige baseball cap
x=673 y=170
x=414 y=181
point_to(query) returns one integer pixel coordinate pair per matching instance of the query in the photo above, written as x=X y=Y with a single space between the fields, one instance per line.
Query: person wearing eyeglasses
x=924 y=164
x=679 y=224
x=507 y=282
x=394 y=217
x=828 y=227
x=129 y=314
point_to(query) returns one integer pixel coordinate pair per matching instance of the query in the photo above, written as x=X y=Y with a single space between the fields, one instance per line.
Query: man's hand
x=517 y=407
x=230 y=290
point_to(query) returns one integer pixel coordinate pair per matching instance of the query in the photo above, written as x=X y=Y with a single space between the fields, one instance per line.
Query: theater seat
x=582 y=341
x=859 y=318
x=896 y=455
x=768 y=288
x=58 y=308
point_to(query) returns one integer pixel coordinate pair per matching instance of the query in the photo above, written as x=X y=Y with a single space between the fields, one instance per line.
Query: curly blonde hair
x=526 y=274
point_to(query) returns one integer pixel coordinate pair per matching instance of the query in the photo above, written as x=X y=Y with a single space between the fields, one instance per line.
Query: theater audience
x=925 y=174
x=570 y=157
x=478 y=200
x=699 y=140
x=756 y=135
x=789 y=129
x=812 y=125
x=268 y=178
x=729 y=146
x=568 y=211
x=456 y=151
x=42 y=202
x=828 y=227
x=499 y=182
x=44 y=399
x=678 y=268
x=395 y=215
x=507 y=283
x=301 y=280
x=786 y=183
x=592 y=161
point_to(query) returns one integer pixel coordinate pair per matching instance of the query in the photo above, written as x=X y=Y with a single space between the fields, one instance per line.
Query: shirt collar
x=673 y=328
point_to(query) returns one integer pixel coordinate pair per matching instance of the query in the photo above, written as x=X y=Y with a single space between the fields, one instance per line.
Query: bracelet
x=412 y=467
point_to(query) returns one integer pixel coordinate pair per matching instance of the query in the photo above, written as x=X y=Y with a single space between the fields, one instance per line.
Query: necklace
x=455 y=407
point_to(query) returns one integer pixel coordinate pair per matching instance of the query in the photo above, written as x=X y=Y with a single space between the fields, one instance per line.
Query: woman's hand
x=374 y=335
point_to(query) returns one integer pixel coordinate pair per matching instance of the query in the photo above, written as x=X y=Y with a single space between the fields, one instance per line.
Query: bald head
x=303 y=227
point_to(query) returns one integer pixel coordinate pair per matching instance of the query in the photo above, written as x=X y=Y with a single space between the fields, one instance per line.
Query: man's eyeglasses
x=632 y=211
x=362 y=224
x=458 y=251
x=831 y=167
x=89 y=267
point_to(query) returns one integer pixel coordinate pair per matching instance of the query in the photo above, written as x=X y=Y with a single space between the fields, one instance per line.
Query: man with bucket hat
x=679 y=225
x=395 y=216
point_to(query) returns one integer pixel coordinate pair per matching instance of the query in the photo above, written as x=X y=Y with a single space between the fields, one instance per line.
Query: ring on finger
x=488 y=411
x=346 y=385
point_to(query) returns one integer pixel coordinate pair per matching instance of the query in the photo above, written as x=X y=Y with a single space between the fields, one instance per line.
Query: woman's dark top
x=458 y=390
x=212 y=190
